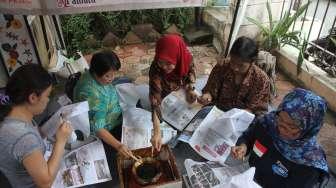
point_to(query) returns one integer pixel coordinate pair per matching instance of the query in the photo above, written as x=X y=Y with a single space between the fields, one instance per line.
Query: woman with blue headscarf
x=283 y=144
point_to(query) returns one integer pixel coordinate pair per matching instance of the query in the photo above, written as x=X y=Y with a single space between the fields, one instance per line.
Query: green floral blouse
x=105 y=111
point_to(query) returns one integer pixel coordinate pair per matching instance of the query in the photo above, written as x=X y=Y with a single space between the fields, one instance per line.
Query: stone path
x=137 y=58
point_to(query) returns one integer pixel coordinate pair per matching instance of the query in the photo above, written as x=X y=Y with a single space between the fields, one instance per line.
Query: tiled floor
x=137 y=58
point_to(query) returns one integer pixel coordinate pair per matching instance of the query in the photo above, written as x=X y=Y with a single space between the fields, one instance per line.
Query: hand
x=191 y=96
x=156 y=141
x=239 y=152
x=124 y=150
x=205 y=99
x=63 y=132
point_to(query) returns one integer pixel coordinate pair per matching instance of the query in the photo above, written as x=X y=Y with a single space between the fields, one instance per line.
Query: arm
x=214 y=83
x=97 y=120
x=248 y=136
x=42 y=172
x=190 y=79
x=108 y=138
x=260 y=95
x=189 y=82
x=155 y=90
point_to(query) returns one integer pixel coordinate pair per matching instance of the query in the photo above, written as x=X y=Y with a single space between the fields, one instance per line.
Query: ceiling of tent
x=37 y=7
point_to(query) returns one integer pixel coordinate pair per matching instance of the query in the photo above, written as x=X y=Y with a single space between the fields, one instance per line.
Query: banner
x=36 y=7
x=16 y=46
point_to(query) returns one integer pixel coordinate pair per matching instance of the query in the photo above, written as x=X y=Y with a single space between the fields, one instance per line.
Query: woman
x=95 y=87
x=22 y=147
x=283 y=145
x=237 y=82
x=171 y=70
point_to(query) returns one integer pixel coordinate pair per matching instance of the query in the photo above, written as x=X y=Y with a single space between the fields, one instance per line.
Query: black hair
x=104 y=61
x=27 y=79
x=245 y=48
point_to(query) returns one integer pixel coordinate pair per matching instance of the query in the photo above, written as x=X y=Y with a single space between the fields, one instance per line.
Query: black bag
x=71 y=83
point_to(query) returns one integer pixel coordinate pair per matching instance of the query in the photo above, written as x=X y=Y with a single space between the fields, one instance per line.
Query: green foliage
x=278 y=34
x=301 y=55
x=78 y=28
x=333 y=40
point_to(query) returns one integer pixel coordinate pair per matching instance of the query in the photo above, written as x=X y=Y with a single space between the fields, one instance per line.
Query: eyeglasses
x=284 y=123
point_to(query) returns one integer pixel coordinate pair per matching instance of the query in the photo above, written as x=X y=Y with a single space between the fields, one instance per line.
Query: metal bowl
x=147 y=170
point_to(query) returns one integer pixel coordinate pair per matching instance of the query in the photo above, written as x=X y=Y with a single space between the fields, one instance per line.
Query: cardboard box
x=170 y=178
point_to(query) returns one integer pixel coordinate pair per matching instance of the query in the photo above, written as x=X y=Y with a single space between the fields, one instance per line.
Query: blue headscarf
x=307 y=110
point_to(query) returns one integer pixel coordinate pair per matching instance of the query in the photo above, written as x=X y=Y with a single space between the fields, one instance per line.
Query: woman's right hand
x=124 y=150
x=156 y=141
x=238 y=152
x=63 y=132
x=205 y=99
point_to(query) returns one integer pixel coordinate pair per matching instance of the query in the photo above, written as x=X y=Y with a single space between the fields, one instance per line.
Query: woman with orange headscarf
x=171 y=70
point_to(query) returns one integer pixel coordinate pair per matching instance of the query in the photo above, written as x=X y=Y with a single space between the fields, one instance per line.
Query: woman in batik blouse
x=237 y=82
x=95 y=87
x=171 y=70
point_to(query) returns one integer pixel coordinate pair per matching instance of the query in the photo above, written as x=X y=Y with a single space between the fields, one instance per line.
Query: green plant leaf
x=333 y=40
x=270 y=17
x=264 y=29
x=301 y=56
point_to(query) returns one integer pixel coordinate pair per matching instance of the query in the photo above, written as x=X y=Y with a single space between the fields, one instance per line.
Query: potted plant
x=278 y=33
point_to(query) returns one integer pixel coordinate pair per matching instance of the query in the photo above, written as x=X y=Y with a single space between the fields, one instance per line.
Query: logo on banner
x=259 y=149
x=74 y=3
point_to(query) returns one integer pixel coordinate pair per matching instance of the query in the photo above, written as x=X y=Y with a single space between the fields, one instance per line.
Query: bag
x=64 y=67
x=71 y=83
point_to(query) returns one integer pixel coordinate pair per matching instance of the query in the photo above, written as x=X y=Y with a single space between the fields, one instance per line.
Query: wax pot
x=156 y=171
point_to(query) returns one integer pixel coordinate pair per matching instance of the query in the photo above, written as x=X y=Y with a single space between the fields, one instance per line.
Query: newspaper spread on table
x=137 y=129
x=218 y=132
x=76 y=114
x=84 y=162
x=83 y=166
x=212 y=174
x=177 y=111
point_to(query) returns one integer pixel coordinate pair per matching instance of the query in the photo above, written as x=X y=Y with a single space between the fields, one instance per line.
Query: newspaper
x=83 y=166
x=218 y=132
x=85 y=161
x=76 y=114
x=177 y=111
x=211 y=174
x=137 y=129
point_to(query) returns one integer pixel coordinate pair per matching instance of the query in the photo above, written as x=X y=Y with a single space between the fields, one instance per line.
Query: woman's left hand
x=191 y=96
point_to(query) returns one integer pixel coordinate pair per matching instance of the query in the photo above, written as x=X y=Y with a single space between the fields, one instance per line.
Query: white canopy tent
x=43 y=7
x=11 y=35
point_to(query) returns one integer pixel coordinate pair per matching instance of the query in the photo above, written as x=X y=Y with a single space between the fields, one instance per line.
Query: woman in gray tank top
x=22 y=147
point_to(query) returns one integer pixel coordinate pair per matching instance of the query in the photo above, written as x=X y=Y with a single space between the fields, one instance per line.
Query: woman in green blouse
x=95 y=87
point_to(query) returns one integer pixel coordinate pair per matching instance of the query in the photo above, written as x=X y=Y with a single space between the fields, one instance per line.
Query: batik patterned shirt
x=105 y=110
x=159 y=86
x=252 y=93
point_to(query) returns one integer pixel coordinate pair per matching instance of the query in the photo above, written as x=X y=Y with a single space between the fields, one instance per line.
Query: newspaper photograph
x=137 y=129
x=218 y=132
x=177 y=111
x=83 y=166
x=212 y=174
x=76 y=114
